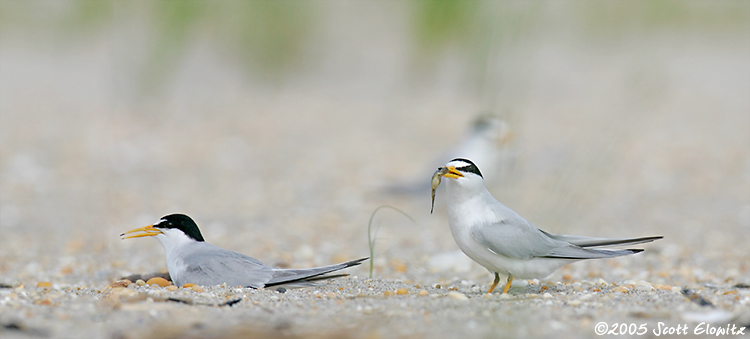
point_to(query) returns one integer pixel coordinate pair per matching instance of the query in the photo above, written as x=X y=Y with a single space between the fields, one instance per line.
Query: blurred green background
x=277 y=123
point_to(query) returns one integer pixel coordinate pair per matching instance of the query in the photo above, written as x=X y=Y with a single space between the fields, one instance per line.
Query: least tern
x=502 y=241
x=192 y=260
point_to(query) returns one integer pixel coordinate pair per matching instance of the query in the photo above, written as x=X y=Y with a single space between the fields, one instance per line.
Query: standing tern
x=502 y=241
x=192 y=260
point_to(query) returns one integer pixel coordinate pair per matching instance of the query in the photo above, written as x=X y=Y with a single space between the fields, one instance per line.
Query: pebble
x=506 y=296
x=457 y=295
x=140 y=282
x=159 y=281
x=620 y=289
x=44 y=284
x=663 y=287
x=122 y=294
x=196 y=288
x=575 y=303
x=577 y=286
x=122 y=283
x=402 y=291
x=423 y=293
x=172 y=288
x=547 y=296
x=644 y=286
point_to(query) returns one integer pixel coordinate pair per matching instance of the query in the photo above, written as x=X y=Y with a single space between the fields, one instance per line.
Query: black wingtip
x=355 y=262
x=635 y=250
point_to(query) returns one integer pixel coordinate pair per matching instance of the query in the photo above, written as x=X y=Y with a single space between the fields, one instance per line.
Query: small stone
x=188 y=285
x=388 y=293
x=122 y=294
x=620 y=289
x=577 y=286
x=676 y=289
x=487 y=296
x=331 y=295
x=423 y=293
x=401 y=291
x=140 y=282
x=506 y=296
x=547 y=296
x=601 y=282
x=644 y=287
x=44 y=284
x=122 y=283
x=159 y=281
x=172 y=288
x=457 y=295
x=663 y=287
x=196 y=288
x=575 y=303
x=586 y=297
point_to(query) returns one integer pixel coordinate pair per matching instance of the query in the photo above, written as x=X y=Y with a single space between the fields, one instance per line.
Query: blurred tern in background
x=488 y=142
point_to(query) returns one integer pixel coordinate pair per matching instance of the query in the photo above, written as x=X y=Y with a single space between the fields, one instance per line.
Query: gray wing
x=514 y=237
x=214 y=266
x=600 y=242
x=288 y=276
x=514 y=240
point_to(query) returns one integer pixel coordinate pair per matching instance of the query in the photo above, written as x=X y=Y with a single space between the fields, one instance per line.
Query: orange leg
x=497 y=280
x=507 y=285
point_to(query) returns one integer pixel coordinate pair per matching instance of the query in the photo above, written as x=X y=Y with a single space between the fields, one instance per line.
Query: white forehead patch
x=458 y=163
x=159 y=222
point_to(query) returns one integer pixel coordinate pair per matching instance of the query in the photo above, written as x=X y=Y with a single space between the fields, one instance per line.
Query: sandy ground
x=646 y=136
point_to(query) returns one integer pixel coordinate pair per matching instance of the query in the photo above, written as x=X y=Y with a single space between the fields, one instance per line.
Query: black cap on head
x=181 y=222
x=469 y=168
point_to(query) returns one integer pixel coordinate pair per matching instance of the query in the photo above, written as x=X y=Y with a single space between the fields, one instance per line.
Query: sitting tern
x=502 y=241
x=192 y=260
